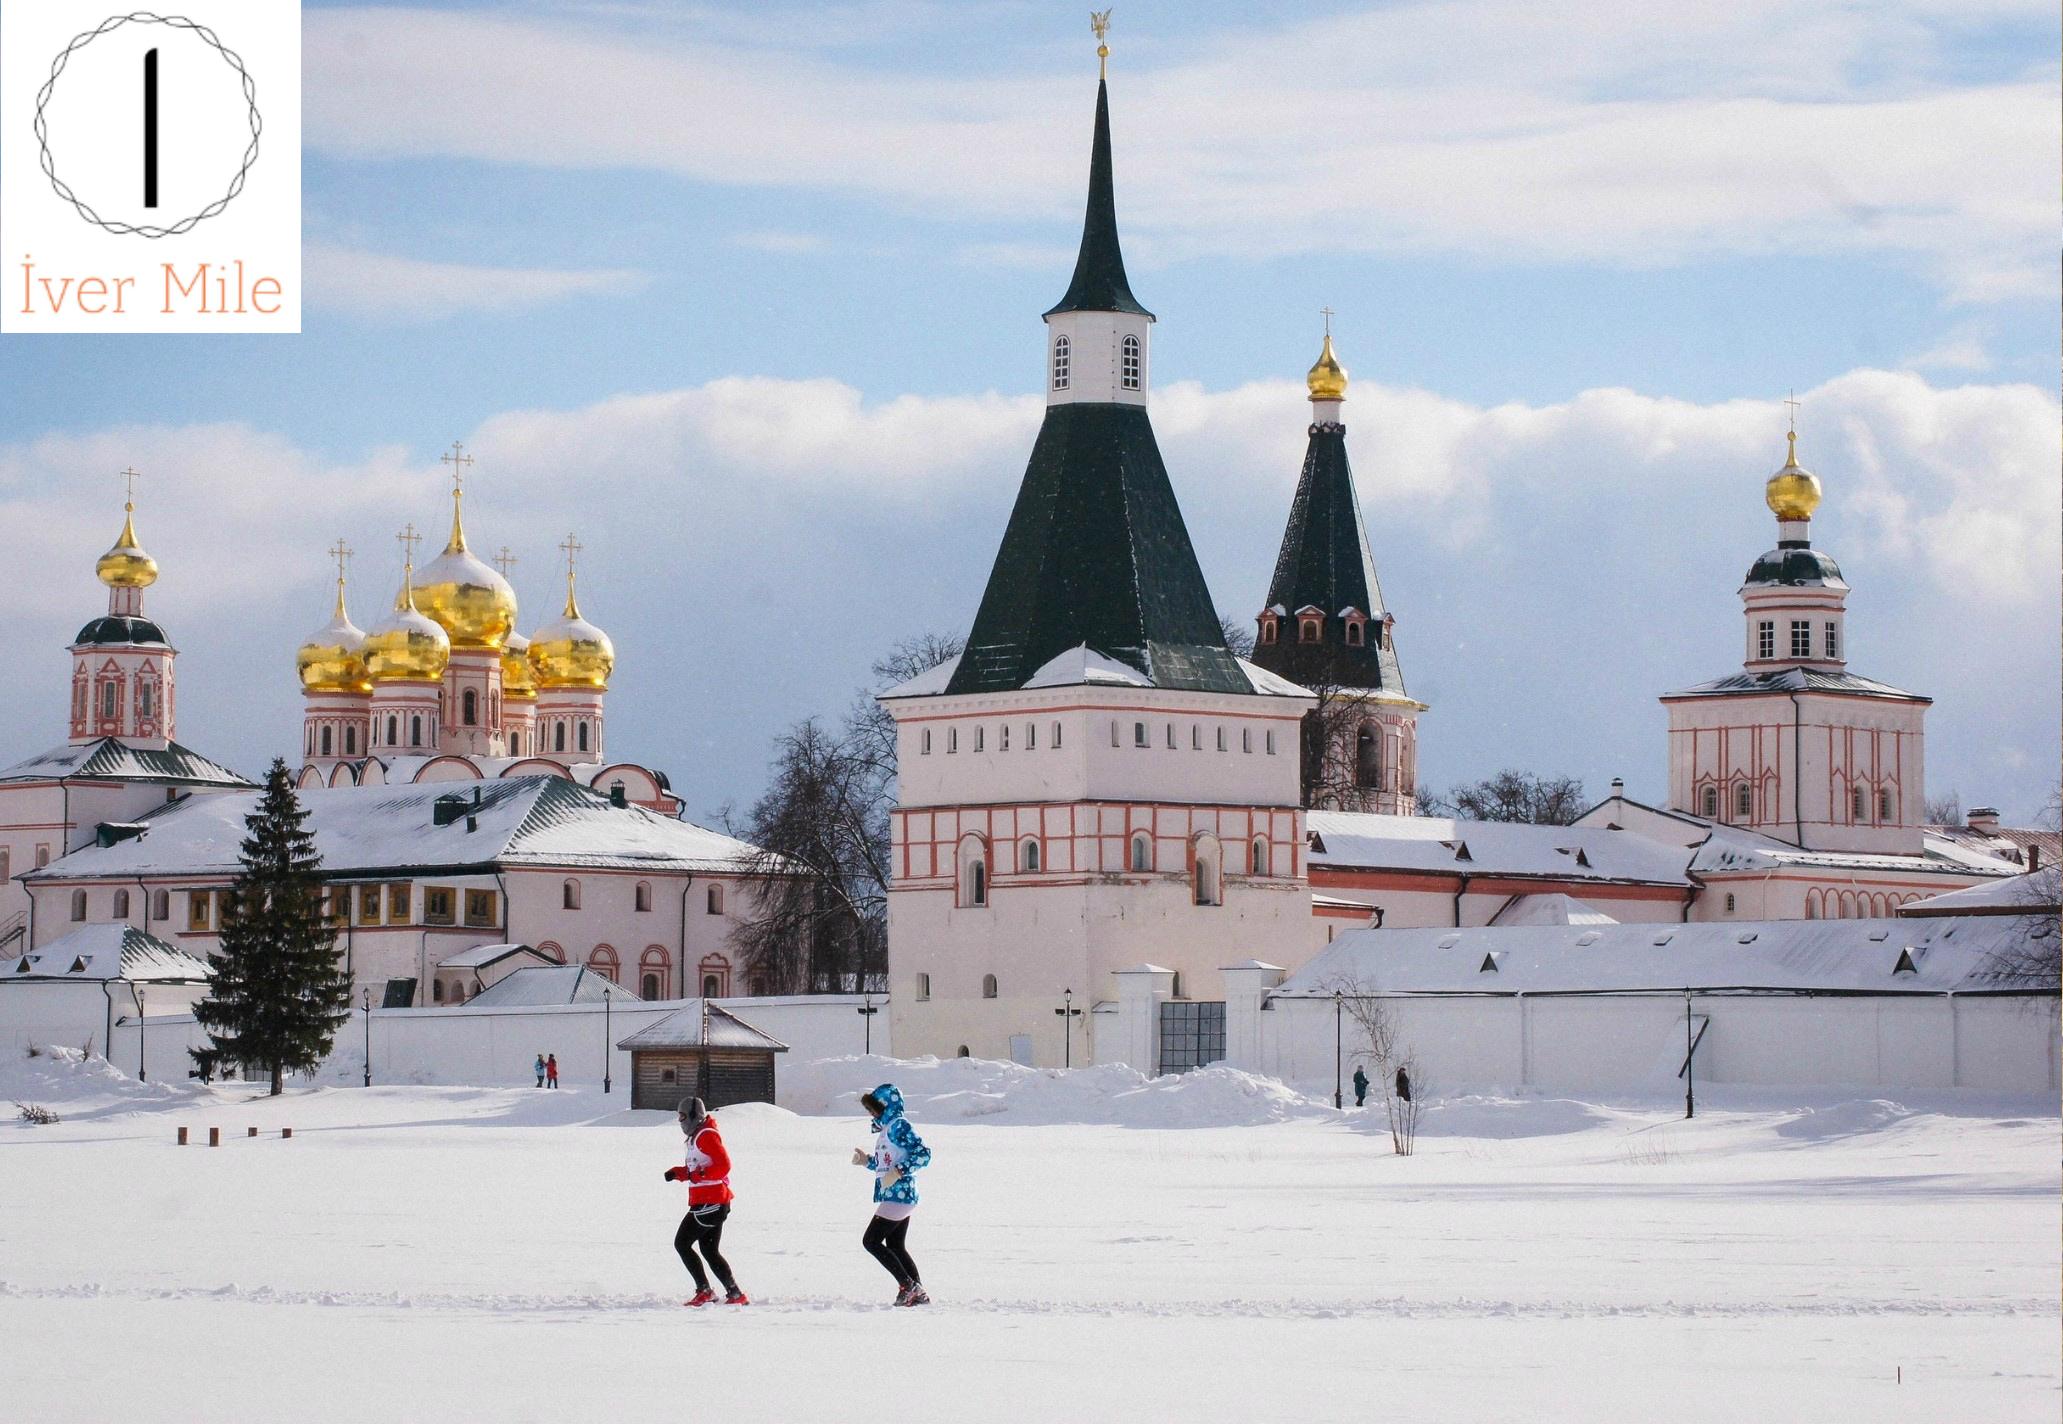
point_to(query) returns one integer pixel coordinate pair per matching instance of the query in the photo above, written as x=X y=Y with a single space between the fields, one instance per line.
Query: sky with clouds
x=749 y=297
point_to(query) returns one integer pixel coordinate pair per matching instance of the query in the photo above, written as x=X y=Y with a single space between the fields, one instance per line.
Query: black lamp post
x=1339 y=1004
x=607 y=1039
x=866 y=1011
x=368 y=1037
x=142 y=1058
x=1068 y=1014
x=1690 y=1091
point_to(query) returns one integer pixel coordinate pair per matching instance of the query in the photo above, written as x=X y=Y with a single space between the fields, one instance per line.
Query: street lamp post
x=607 y=1039
x=1339 y=1004
x=1690 y=1091
x=1068 y=1014
x=866 y=1011
x=142 y=1058
x=368 y=1036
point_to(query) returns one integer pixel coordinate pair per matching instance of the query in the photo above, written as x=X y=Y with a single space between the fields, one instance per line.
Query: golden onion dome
x=332 y=658
x=518 y=680
x=569 y=651
x=406 y=646
x=126 y=565
x=467 y=599
x=1328 y=379
x=1793 y=492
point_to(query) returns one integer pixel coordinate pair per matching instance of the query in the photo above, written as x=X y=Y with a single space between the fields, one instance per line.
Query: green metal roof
x=1325 y=564
x=1796 y=565
x=1099 y=271
x=1096 y=554
x=117 y=630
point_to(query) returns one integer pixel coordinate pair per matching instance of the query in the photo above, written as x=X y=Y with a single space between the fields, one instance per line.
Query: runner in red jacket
x=707 y=1172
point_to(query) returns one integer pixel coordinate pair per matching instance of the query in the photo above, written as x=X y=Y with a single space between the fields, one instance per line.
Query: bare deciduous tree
x=1512 y=795
x=2033 y=957
x=1945 y=809
x=1396 y=1066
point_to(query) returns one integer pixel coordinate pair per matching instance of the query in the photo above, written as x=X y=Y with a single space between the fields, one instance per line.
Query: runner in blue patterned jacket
x=898 y=1153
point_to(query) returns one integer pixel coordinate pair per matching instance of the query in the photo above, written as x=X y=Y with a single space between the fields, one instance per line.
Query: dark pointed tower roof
x=1325 y=564
x=1099 y=271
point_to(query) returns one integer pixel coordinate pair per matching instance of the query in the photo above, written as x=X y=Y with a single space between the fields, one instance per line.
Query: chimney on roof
x=2034 y=856
x=1985 y=819
x=1618 y=787
x=617 y=795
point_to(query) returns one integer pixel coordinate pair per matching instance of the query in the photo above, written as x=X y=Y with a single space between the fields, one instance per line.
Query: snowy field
x=1211 y=1247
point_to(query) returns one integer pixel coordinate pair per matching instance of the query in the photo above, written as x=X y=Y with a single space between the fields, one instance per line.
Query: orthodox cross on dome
x=408 y=539
x=505 y=560
x=341 y=552
x=1327 y=313
x=1793 y=402
x=129 y=477
x=1099 y=21
x=571 y=549
x=459 y=460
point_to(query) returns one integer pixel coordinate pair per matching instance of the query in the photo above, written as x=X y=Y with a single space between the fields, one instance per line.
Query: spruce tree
x=278 y=994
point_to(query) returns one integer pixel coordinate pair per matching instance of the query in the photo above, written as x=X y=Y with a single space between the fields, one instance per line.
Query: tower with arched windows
x=1097 y=782
x=1795 y=745
x=1325 y=627
x=122 y=662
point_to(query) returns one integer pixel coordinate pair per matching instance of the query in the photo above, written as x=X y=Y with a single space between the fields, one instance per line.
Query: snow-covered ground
x=1099 y=1248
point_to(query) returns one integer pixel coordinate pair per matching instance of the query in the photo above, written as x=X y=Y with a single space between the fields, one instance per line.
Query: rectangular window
x=978 y=738
x=1833 y=640
x=337 y=905
x=715 y=900
x=480 y=907
x=438 y=906
x=1801 y=638
x=1221 y=739
x=1171 y=736
x=42 y=856
x=1271 y=741
x=1113 y=733
x=368 y=904
x=1246 y=739
x=924 y=742
x=1195 y=737
x=1138 y=734
x=397 y=904
x=1056 y=736
x=1003 y=738
x=196 y=909
x=1765 y=639
x=6 y=863
x=952 y=739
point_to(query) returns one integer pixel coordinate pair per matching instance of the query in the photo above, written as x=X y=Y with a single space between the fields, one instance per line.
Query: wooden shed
x=701 y=1051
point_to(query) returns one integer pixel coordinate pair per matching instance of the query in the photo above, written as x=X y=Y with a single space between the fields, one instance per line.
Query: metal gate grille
x=1191 y=1035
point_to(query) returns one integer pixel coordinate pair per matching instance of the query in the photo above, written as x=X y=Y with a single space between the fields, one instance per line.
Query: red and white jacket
x=708 y=1169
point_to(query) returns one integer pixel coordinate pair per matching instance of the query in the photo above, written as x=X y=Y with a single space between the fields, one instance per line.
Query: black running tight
x=703 y=1227
x=884 y=1242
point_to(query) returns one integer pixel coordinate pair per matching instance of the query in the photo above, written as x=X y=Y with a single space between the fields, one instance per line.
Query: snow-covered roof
x=929 y=683
x=481 y=956
x=1365 y=841
x=1735 y=849
x=1269 y=685
x=546 y=985
x=2039 y=891
x=1555 y=909
x=683 y=1029
x=543 y=821
x=1787 y=680
x=1823 y=956
x=111 y=759
x=109 y=951
x=1083 y=665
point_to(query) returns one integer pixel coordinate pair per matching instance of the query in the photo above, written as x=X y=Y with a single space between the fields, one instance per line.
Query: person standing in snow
x=708 y=1175
x=1403 y=1085
x=551 y=1070
x=898 y=1153
x=540 y=1070
x=1360 y=1086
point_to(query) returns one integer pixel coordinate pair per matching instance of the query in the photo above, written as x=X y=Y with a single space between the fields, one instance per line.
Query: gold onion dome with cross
x=406 y=646
x=1793 y=492
x=472 y=603
x=332 y=658
x=126 y=565
x=1327 y=379
x=569 y=651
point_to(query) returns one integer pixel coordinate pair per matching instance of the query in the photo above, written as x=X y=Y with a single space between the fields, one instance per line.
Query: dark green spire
x=1325 y=564
x=1099 y=271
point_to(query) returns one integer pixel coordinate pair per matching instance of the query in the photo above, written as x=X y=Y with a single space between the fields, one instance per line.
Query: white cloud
x=405 y=289
x=775 y=240
x=1616 y=132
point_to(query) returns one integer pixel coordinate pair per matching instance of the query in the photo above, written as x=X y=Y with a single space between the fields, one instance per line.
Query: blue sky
x=751 y=300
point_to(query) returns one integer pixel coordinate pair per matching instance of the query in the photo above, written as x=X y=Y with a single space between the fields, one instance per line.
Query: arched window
x=1812 y=904
x=469 y=707
x=415 y=730
x=1205 y=883
x=653 y=972
x=1710 y=803
x=977 y=884
x=1062 y=362
x=559 y=737
x=108 y=705
x=121 y=904
x=714 y=899
x=963 y=1053
x=974 y=871
x=1259 y=862
x=350 y=741
x=648 y=987
x=311 y=741
x=1142 y=852
x=1310 y=628
x=393 y=730
x=325 y=741
x=1028 y=856
x=641 y=897
x=569 y=895
x=161 y=905
x=1139 y=738
x=1367 y=759
x=550 y=950
x=716 y=976
x=78 y=904
x=1858 y=803
x=1884 y=803
x=1129 y=363
x=923 y=987
x=1267 y=630
x=1744 y=802
x=1729 y=902
x=583 y=736
x=604 y=962
x=1357 y=633
x=988 y=986
x=436 y=991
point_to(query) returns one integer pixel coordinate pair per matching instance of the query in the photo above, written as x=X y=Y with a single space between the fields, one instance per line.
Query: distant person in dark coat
x=540 y=1070
x=1360 y=1087
x=1403 y=1085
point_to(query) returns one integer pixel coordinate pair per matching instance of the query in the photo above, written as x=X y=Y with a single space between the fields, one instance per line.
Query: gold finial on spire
x=1099 y=21
x=571 y=549
x=1327 y=379
x=458 y=459
x=1793 y=492
x=341 y=552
